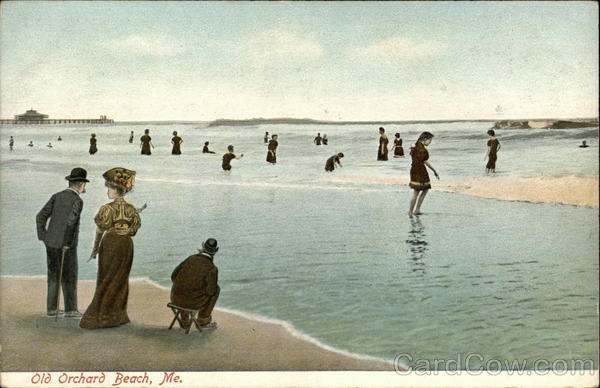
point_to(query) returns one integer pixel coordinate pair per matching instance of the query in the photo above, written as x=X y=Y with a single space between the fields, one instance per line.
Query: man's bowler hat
x=77 y=174
x=210 y=246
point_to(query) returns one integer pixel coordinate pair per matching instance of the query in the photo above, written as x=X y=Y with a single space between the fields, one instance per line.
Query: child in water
x=205 y=150
x=228 y=157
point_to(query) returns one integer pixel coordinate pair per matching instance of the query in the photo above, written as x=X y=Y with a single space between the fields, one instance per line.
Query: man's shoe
x=73 y=314
x=53 y=313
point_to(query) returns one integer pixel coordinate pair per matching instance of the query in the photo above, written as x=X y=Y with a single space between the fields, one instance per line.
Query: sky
x=321 y=60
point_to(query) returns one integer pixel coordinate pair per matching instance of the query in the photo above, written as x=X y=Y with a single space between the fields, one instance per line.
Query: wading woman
x=419 y=178
x=146 y=143
x=117 y=222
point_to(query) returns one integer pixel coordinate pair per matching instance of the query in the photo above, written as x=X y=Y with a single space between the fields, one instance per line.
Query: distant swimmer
x=492 y=152
x=419 y=178
x=30 y=143
x=318 y=139
x=382 y=151
x=397 y=147
x=272 y=152
x=131 y=137
x=228 y=157
x=583 y=144
x=11 y=143
x=49 y=145
x=176 y=141
x=205 y=150
x=324 y=140
x=59 y=139
x=93 y=142
x=333 y=161
x=146 y=143
x=266 y=138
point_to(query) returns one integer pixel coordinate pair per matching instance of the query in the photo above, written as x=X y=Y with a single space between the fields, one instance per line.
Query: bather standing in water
x=325 y=140
x=266 y=138
x=146 y=143
x=176 y=141
x=272 y=152
x=397 y=147
x=419 y=178
x=382 y=151
x=131 y=137
x=228 y=157
x=332 y=161
x=93 y=142
x=318 y=139
x=11 y=143
x=493 y=147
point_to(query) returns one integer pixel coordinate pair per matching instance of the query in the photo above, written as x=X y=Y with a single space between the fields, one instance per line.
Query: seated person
x=195 y=285
x=205 y=150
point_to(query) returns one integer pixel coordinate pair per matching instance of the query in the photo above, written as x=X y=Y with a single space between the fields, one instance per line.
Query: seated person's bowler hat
x=77 y=174
x=210 y=246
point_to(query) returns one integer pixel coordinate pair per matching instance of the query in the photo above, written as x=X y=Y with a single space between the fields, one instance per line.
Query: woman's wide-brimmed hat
x=77 y=174
x=120 y=177
x=210 y=246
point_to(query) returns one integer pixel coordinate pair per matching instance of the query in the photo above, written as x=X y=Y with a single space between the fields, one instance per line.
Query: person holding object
x=228 y=157
x=419 y=178
x=117 y=222
x=60 y=238
x=195 y=285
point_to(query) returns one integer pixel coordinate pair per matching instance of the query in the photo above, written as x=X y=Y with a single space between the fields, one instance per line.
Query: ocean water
x=339 y=259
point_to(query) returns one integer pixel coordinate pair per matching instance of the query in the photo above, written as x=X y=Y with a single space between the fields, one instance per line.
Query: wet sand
x=29 y=339
x=566 y=190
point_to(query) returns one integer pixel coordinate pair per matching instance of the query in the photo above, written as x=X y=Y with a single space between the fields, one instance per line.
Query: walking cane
x=62 y=260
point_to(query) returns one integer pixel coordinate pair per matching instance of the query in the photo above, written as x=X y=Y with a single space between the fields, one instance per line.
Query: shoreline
x=243 y=341
x=559 y=190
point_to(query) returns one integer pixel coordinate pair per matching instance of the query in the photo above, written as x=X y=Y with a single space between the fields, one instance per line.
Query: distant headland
x=545 y=124
x=285 y=120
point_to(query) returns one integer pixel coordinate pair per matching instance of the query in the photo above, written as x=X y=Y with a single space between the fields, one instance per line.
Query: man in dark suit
x=60 y=237
x=195 y=285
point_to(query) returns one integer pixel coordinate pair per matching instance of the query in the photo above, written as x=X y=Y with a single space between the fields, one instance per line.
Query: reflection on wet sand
x=417 y=245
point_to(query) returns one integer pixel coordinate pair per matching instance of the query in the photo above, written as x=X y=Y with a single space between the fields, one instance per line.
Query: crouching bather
x=195 y=285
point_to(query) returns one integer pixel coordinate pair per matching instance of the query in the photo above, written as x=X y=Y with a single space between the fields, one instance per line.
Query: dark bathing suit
x=93 y=148
x=398 y=151
x=493 y=156
x=272 y=153
x=176 y=145
x=419 y=178
x=382 y=155
x=146 y=145
x=227 y=158
x=330 y=164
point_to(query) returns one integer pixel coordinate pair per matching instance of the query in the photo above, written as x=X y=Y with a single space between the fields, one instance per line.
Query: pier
x=33 y=117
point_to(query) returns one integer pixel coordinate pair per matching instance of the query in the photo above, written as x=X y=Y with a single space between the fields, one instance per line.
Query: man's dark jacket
x=64 y=210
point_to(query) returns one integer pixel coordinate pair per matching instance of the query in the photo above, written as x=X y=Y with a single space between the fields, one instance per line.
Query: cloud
x=149 y=45
x=396 y=50
x=280 y=45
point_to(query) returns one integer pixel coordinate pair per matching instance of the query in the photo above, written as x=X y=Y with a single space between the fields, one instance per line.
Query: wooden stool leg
x=176 y=318
x=196 y=317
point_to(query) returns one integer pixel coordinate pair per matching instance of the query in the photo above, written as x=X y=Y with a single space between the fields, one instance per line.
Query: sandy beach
x=29 y=338
x=565 y=190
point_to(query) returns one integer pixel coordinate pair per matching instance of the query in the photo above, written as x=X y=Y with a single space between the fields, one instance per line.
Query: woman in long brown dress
x=397 y=147
x=176 y=141
x=272 y=152
x=492 y=152
x=146 y=143
x=419 y=178
x=382 y=152
x=93 y=147
x=117 y=222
